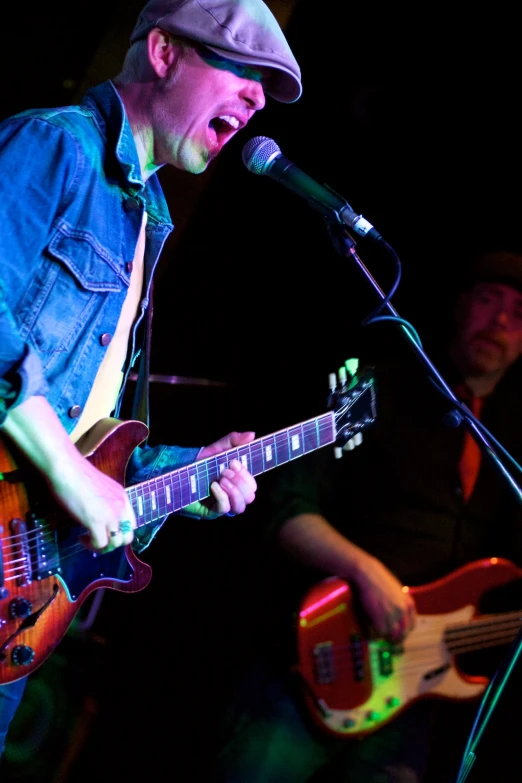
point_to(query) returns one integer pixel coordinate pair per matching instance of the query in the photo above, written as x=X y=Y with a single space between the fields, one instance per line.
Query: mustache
x=497 y=338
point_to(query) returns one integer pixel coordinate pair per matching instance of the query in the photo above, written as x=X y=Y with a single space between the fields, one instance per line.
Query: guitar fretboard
x=158 y=497
x=488 y=631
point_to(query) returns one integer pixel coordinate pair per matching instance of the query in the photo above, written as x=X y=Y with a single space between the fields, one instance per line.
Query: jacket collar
x=106 y=106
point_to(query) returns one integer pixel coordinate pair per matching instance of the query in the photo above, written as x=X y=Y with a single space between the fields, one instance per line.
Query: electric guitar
x=353 y=684
x=45 y=571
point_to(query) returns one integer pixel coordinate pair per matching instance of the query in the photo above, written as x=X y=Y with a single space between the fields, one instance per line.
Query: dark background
x=413 y=117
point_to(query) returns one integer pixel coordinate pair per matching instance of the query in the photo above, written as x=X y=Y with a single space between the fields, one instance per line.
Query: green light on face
x=243 y=70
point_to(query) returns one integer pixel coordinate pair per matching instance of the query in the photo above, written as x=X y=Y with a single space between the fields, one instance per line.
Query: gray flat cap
x=241 y=30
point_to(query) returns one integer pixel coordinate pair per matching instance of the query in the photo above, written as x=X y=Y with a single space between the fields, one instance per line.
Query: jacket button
x=75 y=411
x=105 y=338
x=131 y=204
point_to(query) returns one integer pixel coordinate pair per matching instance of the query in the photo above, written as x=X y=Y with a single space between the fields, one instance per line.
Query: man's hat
x=498 y=266
x=242 y=30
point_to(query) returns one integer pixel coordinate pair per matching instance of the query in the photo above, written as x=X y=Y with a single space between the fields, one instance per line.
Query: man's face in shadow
x=489 y=328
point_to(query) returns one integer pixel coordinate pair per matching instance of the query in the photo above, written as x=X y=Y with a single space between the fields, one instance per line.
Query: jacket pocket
x=88 y=261
x=77 y=286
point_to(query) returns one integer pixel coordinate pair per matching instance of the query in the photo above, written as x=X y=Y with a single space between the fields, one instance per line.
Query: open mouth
x=223 y=127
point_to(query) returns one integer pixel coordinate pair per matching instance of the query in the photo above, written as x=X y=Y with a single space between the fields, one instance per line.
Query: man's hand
x=387 y=602
x=91 y=498
x=236 y=487
x=96 y=501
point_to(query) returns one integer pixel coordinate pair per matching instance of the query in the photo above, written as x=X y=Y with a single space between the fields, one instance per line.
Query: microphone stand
x=345 y=245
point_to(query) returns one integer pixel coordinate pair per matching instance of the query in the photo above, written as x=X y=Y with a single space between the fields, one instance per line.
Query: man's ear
x=162 y=51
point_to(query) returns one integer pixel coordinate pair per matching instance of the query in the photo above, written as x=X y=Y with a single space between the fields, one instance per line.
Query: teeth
x=233 y=121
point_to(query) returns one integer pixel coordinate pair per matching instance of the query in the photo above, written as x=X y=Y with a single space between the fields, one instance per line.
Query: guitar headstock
x=352 y=398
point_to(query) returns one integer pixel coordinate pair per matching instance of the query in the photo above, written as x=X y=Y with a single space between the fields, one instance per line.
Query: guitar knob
x=22 y=655
x=20 y=607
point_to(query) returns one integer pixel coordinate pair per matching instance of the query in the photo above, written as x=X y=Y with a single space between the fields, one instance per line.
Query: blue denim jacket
x=72 y=202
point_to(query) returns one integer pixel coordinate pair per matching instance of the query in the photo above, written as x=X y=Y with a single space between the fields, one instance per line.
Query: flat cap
x=242 y=30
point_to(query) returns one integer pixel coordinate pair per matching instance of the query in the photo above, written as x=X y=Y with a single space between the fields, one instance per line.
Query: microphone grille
x=258 y=152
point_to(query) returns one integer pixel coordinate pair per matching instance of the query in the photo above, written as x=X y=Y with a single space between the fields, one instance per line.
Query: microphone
x=262 y=155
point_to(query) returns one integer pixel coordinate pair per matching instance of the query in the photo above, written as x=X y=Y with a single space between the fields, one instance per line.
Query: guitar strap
x=140 y=406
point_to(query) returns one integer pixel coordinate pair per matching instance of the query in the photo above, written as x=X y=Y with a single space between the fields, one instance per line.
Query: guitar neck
x=488 y=631
x=158 y=497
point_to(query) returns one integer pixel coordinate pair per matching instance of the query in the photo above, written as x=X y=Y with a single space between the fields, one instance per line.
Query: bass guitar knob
x=22 y=655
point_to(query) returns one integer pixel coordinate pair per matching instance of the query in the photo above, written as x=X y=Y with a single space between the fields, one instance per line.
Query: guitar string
x=498 y=626
x=343 y=659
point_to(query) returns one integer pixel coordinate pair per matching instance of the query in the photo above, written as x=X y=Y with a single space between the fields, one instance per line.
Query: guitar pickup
x=358 y=647
x=33 y=550
x=385 y=660
x=323 y=663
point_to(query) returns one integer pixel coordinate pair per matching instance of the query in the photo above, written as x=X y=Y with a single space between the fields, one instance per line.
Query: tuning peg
x=352 y=366
x=338 y=452
x=337 y=381
x=355 y=441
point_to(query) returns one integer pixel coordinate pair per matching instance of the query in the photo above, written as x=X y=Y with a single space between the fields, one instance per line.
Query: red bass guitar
x=353 y=685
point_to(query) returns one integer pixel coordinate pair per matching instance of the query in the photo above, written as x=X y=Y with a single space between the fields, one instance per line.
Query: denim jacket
x=69 y=228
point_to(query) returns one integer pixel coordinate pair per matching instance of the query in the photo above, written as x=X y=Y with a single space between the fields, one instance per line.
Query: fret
x=256 y=463
x=162 y=494
x=282 y=447
x=295 y=442
x=222 y=462
x=207 y=472
x=188 y=485
x=136 y=498
x=311 y=440
x=244 y=455
x=139 y=510
x=146 y=507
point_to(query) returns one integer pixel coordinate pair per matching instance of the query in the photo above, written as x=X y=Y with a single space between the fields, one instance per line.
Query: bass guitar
x=45 y=571
x=354 y=684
